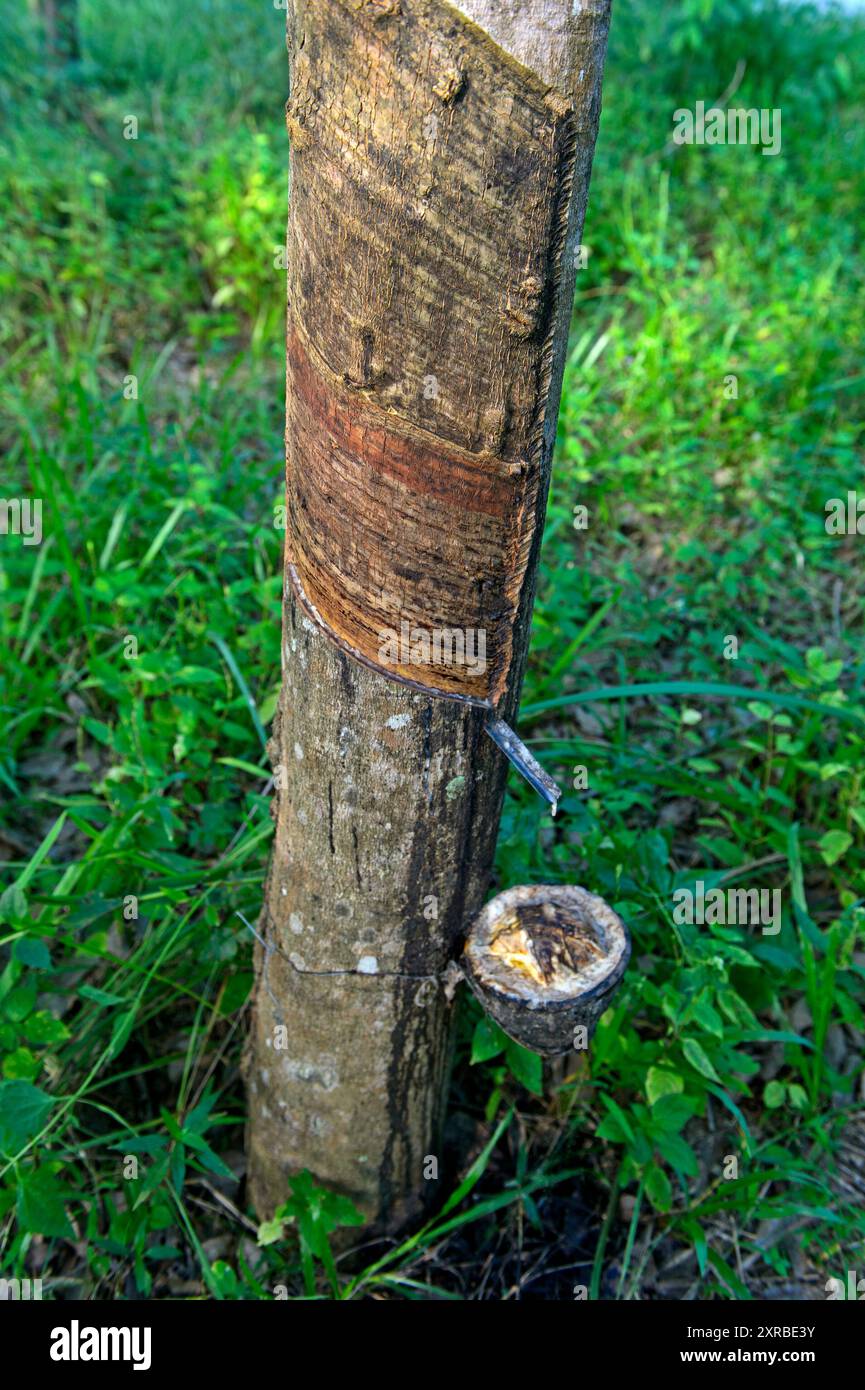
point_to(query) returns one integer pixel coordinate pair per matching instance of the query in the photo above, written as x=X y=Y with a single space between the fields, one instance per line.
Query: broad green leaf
x=661 y=1082
x=29 y=950
x=271 y=1231
x=40 y=1204
x=833 y=845
x=42 y=1029
x=19 y=1003
x=698 y=1059
x=658 y=1189
x=21 y=1065
x=526 y=1066
x=679 y=1154
x=488 y=1041
x=24 y=1108
x=672 y=1112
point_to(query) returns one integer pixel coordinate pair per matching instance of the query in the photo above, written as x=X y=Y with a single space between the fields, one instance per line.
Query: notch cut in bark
x=544 y=961
x=417 y=401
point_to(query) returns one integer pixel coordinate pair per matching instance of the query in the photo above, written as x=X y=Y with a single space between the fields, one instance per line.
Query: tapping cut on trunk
x=417 y=400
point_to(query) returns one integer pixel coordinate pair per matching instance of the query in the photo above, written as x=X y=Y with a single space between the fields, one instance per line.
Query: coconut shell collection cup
x=545 y=961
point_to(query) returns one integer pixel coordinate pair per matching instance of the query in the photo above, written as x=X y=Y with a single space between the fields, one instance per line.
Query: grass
x=696 y=677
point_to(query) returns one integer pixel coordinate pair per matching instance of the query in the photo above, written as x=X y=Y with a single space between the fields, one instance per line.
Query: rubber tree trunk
x=439 y=173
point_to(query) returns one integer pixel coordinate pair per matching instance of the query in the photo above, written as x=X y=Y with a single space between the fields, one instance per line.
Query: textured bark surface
x=409 y=258
x=417 y=394
x=385 y=830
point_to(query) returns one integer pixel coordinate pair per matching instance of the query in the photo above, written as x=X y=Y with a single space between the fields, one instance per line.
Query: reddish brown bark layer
x=394 y=533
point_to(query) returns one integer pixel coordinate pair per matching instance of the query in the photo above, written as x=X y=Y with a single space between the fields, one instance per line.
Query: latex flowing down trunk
x=440 y=161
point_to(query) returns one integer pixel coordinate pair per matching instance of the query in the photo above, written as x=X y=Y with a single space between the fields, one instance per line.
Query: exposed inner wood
x=546 y=943
x=537 y=32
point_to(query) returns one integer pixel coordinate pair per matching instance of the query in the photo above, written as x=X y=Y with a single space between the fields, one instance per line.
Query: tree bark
x=439 y=174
